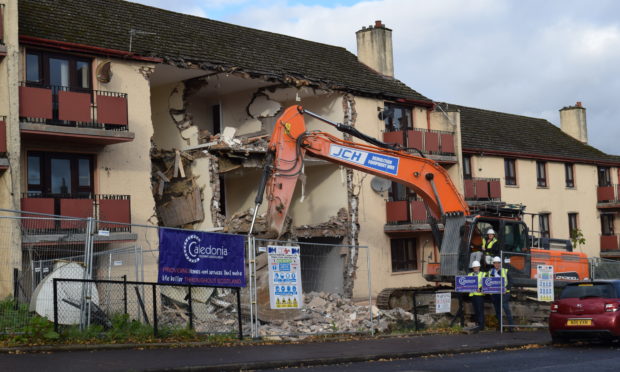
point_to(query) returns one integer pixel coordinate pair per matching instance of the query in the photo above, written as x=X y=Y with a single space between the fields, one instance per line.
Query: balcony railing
x=608 y=195
x=432 y=142
x=81 y=108
x=483 y=189
x=609 y=243
x=105 y=208
x=406 y=212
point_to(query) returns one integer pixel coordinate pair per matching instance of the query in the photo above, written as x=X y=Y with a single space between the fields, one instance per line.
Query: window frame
x=44 y=69
x=607 y=224
x=569 y=175
x=573 y=223
x=603 y=175
x=45 y=159
x=408 y=263
x=544 y=225
x=390 y=127
x=467 y=171
x=510 y=171
x=541 y=174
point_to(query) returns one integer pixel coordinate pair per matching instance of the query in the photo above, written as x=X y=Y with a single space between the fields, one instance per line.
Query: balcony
x=406 y=216
x=609 y=245
x=607 y=197
x=84 y=116
x=38 y=227
x=437 y=145
x=4 y=161
x=482 y=189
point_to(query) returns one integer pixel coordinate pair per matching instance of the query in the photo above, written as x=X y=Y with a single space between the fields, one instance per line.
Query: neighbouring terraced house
x=129 y=113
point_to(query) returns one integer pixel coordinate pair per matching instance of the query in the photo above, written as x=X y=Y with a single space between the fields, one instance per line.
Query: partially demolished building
x=190 y=112
x=130 y=113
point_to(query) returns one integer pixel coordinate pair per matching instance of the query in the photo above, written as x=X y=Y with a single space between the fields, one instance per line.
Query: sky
x=524 y=57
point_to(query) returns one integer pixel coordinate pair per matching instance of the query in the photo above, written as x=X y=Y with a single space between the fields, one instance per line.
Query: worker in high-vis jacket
x=477 y=298
x=490 y=246
x=498 y=301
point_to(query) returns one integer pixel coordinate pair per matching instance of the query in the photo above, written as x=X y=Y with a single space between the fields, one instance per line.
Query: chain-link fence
x=159 y=306
x=328 y=305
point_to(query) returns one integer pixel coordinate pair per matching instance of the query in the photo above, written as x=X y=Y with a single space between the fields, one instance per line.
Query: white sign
x=103 y=233
x=544 y=283
x=118 y=263
x=284 y=277
x=443 y=300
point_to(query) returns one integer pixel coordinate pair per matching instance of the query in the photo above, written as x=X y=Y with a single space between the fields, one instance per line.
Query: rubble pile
x=214 y=310
x=333 y=313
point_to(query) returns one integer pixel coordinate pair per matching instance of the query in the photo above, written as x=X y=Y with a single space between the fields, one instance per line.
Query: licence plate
x=579 y=322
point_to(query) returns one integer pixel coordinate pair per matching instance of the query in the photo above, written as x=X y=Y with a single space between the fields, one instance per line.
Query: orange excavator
x=463 y=227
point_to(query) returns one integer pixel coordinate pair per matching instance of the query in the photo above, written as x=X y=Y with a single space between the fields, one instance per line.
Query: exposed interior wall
x=556 y=199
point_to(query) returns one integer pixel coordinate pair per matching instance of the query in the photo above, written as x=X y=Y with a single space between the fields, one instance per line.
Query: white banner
x=443 y=300
x=284 y=277
x=544 y=283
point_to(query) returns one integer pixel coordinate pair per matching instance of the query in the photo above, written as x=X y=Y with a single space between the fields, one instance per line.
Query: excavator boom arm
x=290 y=141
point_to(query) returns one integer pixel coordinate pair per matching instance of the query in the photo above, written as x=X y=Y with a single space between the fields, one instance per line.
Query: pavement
x=256 y=357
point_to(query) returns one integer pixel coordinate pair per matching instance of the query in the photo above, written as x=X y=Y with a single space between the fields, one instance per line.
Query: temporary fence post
x=501 y=294
x=189 y=307
x=154 y=310
x=125 y=294
x=239 y=313
x=55 y=284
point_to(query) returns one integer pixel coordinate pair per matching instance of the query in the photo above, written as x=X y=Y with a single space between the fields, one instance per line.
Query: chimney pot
x=378 y=24
x=578 y=104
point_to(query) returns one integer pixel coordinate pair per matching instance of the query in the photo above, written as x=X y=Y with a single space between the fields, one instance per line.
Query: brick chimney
x=573 y=122
x=374 y=48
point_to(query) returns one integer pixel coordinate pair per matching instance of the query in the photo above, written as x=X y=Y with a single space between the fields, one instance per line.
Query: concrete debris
x=239 y=223
x=334 y=313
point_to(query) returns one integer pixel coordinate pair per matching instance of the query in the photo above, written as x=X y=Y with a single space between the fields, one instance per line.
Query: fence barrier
x=163 y=306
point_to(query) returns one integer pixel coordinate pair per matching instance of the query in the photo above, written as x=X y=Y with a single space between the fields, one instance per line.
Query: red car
x=586 y=310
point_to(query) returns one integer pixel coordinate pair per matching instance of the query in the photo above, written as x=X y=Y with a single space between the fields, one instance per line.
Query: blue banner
x=493 y=285
x=200 y=258
x=464 y=283
x=383 y=163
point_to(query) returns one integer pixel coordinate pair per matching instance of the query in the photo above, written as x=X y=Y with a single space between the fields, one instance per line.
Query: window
x=541 y=173
x=604 y=176
x=57 y=70
x=569 y=175
x=543 y=220
x=404 y=254
x=57 y=174
x=397 y=118
x=510 y=172
x=572 y=224
x=467 y=167
x=515 y=237
x=607 y=224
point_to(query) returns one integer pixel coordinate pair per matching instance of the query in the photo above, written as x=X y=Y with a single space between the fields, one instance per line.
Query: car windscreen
x=605 y=290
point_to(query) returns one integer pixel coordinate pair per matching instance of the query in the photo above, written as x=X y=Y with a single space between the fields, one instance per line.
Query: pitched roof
x=211 y=44
x=484 y=130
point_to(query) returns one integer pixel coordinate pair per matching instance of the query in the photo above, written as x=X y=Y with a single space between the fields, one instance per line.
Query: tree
x=576 y=237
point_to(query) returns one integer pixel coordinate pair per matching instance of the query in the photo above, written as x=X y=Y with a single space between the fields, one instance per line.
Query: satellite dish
x=103 y=72
x=379 y=184
x=69 y=294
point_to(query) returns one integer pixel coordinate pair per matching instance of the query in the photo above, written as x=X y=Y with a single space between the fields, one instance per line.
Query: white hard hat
x=497 y=259
x=475 y=264
x=491 y=231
